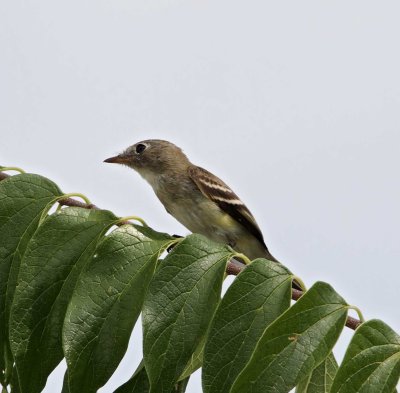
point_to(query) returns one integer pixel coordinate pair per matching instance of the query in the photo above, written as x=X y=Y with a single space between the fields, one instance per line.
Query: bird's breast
x=184 y=201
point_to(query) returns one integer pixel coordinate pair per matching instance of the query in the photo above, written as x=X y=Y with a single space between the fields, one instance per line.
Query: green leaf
x=297 y=342
x=195 y=361
x=138 y=383
x=180 y=304
x=23 y=198
x=321 y=379
x=106 y=303
x=372 y=361
x=14 y=383
x=255 y=299
x=54 y=257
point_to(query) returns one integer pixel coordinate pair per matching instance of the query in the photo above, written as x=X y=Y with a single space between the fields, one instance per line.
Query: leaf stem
x=75 y=194
x=300 y=282
x=245 y=259
x=61 y=199
x=126 y=219
x=359 y=313
x=173 y=243
x=12 y=168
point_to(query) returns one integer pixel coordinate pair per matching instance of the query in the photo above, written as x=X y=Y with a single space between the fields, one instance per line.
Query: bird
x=198 y=199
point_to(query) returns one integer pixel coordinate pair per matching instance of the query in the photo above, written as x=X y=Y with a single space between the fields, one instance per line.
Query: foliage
x=74 y=282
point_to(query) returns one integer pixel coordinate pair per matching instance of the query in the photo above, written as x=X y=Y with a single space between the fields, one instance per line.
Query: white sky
x=294 y=104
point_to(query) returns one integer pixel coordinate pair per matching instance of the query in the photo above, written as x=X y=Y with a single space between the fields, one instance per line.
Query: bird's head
x=152 y=156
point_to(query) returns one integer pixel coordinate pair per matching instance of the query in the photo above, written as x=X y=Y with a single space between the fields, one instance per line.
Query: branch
x=3 y=176
x=74 y=203
x=233 y=268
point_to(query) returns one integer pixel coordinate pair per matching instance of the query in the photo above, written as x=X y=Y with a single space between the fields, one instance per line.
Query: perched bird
x=199 y=200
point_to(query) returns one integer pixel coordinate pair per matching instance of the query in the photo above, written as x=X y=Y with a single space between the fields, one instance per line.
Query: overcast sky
x=295 y=104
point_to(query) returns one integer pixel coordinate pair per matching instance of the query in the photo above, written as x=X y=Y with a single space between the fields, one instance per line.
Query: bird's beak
x=120 y=159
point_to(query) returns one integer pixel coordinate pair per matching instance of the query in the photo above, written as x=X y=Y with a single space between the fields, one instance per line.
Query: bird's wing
x=216 y=190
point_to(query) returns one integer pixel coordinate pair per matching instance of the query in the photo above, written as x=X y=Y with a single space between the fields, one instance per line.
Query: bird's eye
x=140 y=148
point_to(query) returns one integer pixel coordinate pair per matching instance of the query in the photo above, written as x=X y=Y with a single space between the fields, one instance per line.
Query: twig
x=3 y=176
x=352 y=323
x=74 y=203
x=233 y=268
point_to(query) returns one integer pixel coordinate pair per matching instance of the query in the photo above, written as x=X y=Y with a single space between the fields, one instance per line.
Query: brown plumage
x=219 y=192
x=202 y=202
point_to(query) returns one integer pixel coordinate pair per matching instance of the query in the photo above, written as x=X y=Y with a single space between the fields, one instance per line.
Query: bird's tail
x=269 y=256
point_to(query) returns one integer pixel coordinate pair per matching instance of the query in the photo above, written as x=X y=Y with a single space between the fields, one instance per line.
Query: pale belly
x=200 y=215
x=204 y=217
x=209 y=220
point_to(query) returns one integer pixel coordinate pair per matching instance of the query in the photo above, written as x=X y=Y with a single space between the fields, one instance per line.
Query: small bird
x=199 y=200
